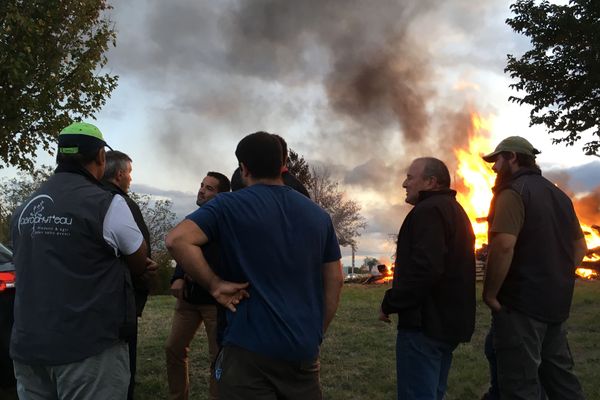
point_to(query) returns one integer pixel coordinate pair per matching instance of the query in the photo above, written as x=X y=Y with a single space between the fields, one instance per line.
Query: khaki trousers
x=187 y=318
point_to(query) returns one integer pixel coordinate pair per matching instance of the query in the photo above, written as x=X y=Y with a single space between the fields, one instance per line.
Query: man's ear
x=244 y=170
x=434 y=182
x=101 y=156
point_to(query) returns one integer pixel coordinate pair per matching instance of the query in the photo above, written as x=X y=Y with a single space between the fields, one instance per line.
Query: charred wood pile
x=480 y=262
x=593 y=261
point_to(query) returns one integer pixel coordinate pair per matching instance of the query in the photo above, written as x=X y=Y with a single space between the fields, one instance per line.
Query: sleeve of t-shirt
x=120 y=229
x=207 y=219
x=509 y=213
x=332 y=247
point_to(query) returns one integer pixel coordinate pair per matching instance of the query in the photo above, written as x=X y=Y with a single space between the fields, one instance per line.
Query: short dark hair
x=523 y=160
x=260 y=152
x=115 y=161
x=437 y=169
x=236 y=180
x=224 y=184
x=79 y=159
x=284 y=149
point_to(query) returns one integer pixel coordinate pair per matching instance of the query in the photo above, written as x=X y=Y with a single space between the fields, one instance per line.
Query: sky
x=359 y=87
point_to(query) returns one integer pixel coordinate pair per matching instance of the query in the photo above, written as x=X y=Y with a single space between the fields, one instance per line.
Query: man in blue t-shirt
x=282 y=282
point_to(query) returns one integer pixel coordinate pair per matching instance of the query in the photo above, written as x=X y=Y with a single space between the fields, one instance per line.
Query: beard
x=503 y=175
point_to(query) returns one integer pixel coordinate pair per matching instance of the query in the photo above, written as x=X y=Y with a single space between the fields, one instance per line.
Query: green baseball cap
x=80 y=138
x=516 y=144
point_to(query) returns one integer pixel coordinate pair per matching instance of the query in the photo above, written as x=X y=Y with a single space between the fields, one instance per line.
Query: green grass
x=357 y=356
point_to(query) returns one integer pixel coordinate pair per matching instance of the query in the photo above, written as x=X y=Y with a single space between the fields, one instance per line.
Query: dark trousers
x=533 y=356
x=243 y=375
x=422 y=366
x=493 y=392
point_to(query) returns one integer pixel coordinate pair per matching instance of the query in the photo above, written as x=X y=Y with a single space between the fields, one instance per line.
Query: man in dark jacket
x=117 y=179
x=194 y=307
x=536 y=243
x=433 y=291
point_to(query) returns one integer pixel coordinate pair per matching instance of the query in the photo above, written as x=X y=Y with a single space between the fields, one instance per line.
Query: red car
x=7 y=301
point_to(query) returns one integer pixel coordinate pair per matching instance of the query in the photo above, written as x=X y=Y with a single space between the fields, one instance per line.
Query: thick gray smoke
x=359 y=86
x=356 y=79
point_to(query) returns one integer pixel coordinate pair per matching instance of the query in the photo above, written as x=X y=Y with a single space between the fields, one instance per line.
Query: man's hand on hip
x=228 y=294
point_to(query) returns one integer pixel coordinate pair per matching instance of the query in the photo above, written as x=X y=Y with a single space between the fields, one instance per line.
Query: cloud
x=357 y=76
x=581 y=178
x=183 y=202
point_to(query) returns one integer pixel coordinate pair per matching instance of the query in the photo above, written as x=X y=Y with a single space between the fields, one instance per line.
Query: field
x=357 y=355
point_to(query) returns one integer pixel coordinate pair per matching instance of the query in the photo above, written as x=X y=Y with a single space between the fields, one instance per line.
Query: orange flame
x=592 y=239
x=475 y=180
x=586 y=273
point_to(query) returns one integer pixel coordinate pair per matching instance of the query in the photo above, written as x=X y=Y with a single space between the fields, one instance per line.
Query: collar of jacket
x=113 y=188
x=425 y=194
x=77 y=169
x=521 y=172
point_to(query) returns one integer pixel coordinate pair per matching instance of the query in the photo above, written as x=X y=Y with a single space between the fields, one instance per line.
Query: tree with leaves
x=14 y=191
x=298 y=167
x=560 y=75
x=344 y=213
x=158 y=216
x=369 y=263
x=50 y=55
x=160 y=219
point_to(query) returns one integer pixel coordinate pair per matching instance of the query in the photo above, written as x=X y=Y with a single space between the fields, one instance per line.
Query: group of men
x=260 y=268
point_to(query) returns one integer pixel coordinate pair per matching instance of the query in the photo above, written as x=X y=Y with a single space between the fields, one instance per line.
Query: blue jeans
x=422 y=366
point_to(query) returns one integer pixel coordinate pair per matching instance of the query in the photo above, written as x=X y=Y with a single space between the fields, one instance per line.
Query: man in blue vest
x=535 y=244
x=282 y=281
x=75 y=245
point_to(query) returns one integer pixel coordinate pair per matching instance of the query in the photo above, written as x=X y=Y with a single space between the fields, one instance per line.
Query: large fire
x=386 y=271
x=475 y=179
x=592 y=238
